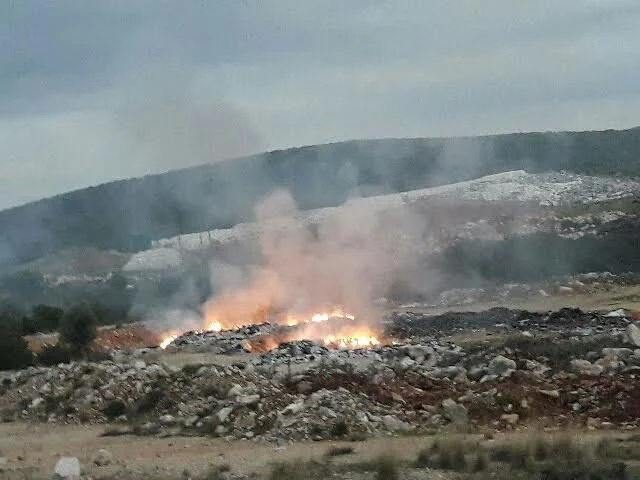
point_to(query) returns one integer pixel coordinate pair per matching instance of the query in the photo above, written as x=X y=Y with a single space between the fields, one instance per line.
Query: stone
x=4 y=461
x=621 y=353
x=407 y=362
x=139 y=365
x=455 y=412
x=304 y=387
x=223 y=414
x=246 y=400
x=167 y=420
x=593 y=423
x=633 y=334
x=293 y=408
x=585 y=367
x=550 y=393
x=102 y=458
x=510 y=418
x=501 y=366
x=245 y=422
x=68 y=468
x=234 y=391
x=394 y=424
x=397 y=397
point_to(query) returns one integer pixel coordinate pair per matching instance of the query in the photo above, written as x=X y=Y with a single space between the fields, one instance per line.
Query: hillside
x=128 y=215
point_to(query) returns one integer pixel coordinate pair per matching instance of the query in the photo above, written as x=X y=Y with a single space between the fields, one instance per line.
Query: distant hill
x=127 y=215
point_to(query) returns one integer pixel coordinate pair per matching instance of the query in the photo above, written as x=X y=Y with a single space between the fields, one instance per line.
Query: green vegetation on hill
x=127 y=215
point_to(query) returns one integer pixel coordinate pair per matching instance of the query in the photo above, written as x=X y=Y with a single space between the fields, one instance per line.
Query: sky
x=96 y=91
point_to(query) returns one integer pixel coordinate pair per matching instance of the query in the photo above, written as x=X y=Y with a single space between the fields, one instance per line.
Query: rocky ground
x=500 y=370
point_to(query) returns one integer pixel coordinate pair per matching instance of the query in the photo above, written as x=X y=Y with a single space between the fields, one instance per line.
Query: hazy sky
x=92 y=91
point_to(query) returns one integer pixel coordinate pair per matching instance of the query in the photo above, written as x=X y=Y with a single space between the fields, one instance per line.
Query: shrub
x=45 y=318
x=114 y=409
x=149 y=401
x=299 y=470
x=53 y=355
x=386 y=468
x=14 y=351
x=191 y=368
x=340 y=429
x=78 y=329
x=338 y=451
x=445 y=454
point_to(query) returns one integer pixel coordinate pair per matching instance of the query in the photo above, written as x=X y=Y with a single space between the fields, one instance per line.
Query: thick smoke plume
x=345 y=259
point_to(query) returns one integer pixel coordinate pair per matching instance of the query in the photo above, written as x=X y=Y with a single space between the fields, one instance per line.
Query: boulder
x=621 y=353
x=633 y=334
x=223 y=414
x=585 y=367
x=501 y=366
x=246 y=400
x=455 y=412
x=510 y=418
x=102 y=458
x=67 y=468
x=394 y=424
x=167 y=420
x=304 y=387
x=550 y=393
x=293 y=408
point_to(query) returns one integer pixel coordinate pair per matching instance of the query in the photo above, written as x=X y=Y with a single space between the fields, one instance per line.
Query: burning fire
x=334 y=328
x=167 y=339
x=214 y=326
x=355 y=341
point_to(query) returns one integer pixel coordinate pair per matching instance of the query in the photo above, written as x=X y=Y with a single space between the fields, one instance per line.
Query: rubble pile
x=223 y=342
x=581 y=284
x=582 y=380
x=571 y=321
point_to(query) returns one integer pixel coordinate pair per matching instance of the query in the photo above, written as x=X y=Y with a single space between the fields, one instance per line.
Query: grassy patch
x=339 y=451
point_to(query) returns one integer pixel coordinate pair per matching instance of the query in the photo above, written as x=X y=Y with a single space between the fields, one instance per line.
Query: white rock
x=585 y=367
x=293 y=408
x=248 y=399
x=502 y=366
x=455 y=412
x=68 y=468
x=394 y=424
x=167 y=420
x=633 y=334
x=102 y=458
x=224 y=413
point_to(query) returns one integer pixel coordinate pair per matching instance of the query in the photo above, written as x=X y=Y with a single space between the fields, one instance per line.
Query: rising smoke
x=342 y=258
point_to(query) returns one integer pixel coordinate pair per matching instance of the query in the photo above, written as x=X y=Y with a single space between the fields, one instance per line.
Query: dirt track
x=40 y=446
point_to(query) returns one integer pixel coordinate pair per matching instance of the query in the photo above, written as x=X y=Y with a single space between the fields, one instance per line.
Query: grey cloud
x=99 y=82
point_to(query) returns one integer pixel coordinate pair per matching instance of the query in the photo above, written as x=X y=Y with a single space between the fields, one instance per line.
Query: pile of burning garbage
x=335 y=330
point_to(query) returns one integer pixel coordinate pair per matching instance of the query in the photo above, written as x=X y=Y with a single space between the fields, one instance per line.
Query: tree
x=11 y=316
x=78 y=329
x=14 y=351
x=46 y=318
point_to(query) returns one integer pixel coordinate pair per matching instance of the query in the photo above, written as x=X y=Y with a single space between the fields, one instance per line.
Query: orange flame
x=167 y=339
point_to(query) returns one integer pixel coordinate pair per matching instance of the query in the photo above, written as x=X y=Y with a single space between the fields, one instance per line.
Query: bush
x=114 y=409
x=386 y=468
x=78 y=329
x=445 y=454
x=340 y=429
x=149 y=401
x=52 y=355
x=14 y=351
x=299 y=470
x=45 y=318
x=338 y=451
